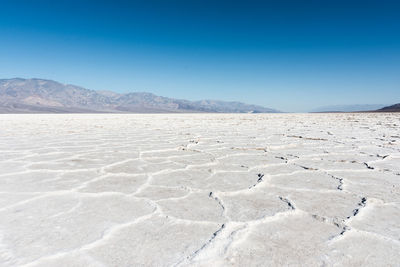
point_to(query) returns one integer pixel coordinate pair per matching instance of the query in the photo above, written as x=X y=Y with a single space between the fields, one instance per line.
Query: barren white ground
x=200 y=189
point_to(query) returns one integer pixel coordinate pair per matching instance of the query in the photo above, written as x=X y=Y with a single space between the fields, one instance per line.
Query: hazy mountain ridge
x=392 y=108
x=348 y=108
x=46 y=96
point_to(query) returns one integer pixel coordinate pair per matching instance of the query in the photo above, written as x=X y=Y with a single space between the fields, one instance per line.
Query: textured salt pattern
x=200 y=189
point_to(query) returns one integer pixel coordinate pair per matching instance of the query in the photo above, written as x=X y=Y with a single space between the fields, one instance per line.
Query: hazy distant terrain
x=348 y=108
x=392 y=108
x=200 y=189
x=46 y=96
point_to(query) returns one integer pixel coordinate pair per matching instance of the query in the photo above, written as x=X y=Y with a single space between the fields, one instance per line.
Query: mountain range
x=358 y=108
x=46 y=96
x=348 y=108
x=392 y=108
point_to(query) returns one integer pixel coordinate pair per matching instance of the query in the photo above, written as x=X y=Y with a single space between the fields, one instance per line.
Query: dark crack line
x=211 y=195
x=306 y=168
x=288 y=202
x=381 y=170
x=307 y=138
x=382 y=157
x=344 y=230
x=368 y=166
x=282 y=158
x=259 y=180
x=361 y=204
x=194 y=254
x=340 y=180
x=345 y=227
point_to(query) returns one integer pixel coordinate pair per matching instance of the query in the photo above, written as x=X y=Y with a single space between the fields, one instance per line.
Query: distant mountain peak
x=35 y=95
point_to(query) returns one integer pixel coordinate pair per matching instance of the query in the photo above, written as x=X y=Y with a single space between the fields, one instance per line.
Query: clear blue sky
x=289 y=55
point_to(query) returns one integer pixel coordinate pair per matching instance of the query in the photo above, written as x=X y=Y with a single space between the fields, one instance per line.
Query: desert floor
x=200 y=189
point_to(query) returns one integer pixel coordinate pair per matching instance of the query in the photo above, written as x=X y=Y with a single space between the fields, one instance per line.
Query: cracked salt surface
x=200 y=189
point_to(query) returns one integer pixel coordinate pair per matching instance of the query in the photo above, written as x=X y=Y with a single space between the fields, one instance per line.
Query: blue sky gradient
x=289 y=55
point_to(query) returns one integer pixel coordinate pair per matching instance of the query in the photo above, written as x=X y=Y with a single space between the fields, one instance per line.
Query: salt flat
x=200 y=189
